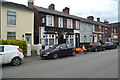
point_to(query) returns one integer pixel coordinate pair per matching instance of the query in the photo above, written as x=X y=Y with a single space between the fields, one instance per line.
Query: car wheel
x=73 y=53
x=55 y=56
x=16 y=61
x=96 y=50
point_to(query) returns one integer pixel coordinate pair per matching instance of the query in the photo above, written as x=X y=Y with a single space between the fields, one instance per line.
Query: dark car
x=96 y=47
x=57 y=51
x=110 y=45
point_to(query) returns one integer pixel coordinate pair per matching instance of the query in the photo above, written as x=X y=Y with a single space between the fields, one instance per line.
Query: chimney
x=66 y=10
x=90 y=18
x=52 y=6
x=98 y=19
x=106 y=22
x=30 y=3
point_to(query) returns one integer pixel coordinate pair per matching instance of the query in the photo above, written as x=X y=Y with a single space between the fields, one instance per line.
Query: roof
x=55 y=12
x=115 y=25
x=16 y=5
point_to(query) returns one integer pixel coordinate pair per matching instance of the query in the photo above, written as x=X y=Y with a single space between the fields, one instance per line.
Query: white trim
x=60 y=18
x=11 y=30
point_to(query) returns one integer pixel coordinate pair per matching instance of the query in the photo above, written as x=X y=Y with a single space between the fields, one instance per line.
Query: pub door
x=77 y=40
x=61 y=39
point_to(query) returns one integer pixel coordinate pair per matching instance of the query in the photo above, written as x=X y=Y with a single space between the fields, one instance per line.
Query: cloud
x=105 y=9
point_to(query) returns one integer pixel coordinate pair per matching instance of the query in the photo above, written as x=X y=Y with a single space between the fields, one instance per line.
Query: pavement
x=102 y=64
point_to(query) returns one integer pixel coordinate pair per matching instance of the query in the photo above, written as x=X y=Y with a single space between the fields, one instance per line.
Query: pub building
x=53 y=27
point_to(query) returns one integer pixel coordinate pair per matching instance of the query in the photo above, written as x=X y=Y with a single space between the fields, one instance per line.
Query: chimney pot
x=52 y=6
x=90 y=18
x=66 y=10
x=98 y=19
x=30 y=3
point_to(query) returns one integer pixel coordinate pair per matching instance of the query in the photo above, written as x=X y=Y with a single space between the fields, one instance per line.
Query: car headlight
x=47 y=53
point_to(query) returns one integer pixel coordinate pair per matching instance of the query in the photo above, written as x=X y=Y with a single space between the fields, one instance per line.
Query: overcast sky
x=105 y=9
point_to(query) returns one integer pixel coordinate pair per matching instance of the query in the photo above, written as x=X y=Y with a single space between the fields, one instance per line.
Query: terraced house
x=55 y=27
x=17 y=22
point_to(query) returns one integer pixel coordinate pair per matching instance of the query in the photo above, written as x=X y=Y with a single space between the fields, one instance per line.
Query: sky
x=104 y=9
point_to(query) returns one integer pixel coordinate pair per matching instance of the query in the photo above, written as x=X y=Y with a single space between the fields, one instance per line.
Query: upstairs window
x=60 y=22
x=77 y=25
x=105 y=30
x=114 y=30
x=69 y=23
x=50 y=20
x=11 y=18
x=99 y=28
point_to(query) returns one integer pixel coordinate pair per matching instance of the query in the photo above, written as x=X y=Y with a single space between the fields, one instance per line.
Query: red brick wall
x=65 y=22
x=96 y=28
x=74 y=24
x=56 y=21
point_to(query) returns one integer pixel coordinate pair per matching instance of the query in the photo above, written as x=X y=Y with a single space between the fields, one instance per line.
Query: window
x=11 y=18
x=114 y=30
x=99 y=28
x=100 y=37
x=1 y=48
x=105 y=30
x=93 y=28
x=11 y=35
x=71 y=39
x=69 y=23
x=60 y=22
x=51 y=39
x=50 y=20
x=77 y=25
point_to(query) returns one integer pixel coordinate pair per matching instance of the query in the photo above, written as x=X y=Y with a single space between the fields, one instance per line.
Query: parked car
x=96 y=47
x=57 y=51
x=110 y=45
x=11 y=54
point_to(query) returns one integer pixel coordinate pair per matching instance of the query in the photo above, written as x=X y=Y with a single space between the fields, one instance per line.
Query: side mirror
x=49 y=47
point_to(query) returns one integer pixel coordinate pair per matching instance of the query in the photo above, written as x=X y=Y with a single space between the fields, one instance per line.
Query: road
x=93 y=65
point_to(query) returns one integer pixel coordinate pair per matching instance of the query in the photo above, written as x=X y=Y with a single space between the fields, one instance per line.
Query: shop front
x=55 y=35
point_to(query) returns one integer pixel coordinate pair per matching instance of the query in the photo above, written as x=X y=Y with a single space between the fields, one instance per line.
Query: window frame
x=77 y=25
x=70 y=26
x=60 y=21
x=52 y=20
x=12 y=16
x=11 y=35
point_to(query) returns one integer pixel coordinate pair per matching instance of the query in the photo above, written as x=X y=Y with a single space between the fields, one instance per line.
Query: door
x=77 y=40
x=63 y=50
x=61 y=39
x=28 y=38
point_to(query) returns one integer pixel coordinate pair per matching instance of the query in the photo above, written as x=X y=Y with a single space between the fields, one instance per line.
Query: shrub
x=22 y=44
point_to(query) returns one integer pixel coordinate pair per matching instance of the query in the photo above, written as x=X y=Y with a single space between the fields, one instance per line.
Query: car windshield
x=55 y=46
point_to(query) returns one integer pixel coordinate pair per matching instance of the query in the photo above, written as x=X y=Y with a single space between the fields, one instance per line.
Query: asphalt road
x=93 y=65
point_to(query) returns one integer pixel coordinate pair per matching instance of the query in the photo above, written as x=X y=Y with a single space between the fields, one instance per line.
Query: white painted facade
x=86 y=32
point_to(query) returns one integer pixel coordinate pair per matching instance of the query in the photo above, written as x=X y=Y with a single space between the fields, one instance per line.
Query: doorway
x=77 y=40
x=61 y=39
x=28 y=38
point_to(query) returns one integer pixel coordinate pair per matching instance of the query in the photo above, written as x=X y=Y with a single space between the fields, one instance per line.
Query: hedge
x=22 y=44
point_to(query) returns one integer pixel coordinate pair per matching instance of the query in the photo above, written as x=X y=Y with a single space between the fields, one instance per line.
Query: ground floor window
x=69 y=39
x=49 y=39
x=11 y=35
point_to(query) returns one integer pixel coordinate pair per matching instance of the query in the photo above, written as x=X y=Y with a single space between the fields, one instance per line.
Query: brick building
x=55 y=27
